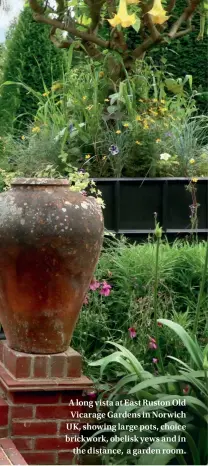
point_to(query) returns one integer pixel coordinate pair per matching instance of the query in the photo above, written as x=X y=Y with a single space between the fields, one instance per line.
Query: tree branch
x=183 y=33
x=60 y=45
x=171 y=6
x=187 y=14
x=142 y=48
x=95 y=7
x=152 y=28
x=72 y=30
x=111 y=7
x=36 y=7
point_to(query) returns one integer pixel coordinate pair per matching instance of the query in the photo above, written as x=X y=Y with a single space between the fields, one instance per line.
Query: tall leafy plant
x=139 y=391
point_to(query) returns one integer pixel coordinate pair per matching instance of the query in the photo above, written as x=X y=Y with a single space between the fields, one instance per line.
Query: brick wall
x=34 y=415
x=4 y=411
x=37 y=425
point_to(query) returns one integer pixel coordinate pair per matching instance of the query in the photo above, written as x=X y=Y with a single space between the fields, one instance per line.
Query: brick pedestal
x=34 y=402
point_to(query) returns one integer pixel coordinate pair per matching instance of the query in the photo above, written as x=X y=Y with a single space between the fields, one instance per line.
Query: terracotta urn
x=50 y=241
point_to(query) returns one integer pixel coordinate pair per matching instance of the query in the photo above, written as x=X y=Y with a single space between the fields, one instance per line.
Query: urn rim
x=40 y=182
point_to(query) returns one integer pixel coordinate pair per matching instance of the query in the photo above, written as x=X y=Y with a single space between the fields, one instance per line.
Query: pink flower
x=106 y=289
x=86 y=300
x=155 y=360
x=186 y=389
x=92 y=395
x=159 y=324
x=132 y=332
x=94 y=285
x=152 y=343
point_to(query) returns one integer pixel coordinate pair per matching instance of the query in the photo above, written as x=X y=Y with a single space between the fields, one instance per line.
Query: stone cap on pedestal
x=9 y=455
x=41 y=371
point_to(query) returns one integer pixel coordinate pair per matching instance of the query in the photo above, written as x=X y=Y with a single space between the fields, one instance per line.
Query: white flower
x=165 y=157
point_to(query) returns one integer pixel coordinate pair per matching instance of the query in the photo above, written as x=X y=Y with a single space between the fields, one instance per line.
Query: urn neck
x=27 y=182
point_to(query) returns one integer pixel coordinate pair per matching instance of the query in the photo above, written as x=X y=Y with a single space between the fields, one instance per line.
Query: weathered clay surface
x=50 y=241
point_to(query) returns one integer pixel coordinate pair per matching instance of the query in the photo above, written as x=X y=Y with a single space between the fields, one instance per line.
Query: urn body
x=50 y=241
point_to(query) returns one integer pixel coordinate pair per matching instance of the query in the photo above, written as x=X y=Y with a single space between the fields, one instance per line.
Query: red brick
x=21 y=412
x=67 y=397
x=34 y=428
x=35 y=397
x=74 y=366
x=40 y=457
x=40 y=366
x=17 y=364
x=58 y=365
x=3 y=413
x=23 y=443
x=65 y=431
x=56 y=412
x=65 y=457
x=3 y=432
x=54 y=443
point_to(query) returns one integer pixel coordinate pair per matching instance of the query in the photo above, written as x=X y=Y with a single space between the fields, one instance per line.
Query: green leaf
x=193 y=448
x=124 y=381
x=137 y=24
x=188 y=78
x=164 y=379
x=181 y=362
x=132 y=359
x=112 y=358
x=188 y=342
x=112 y=109
x=158 y=458
x=173 y=86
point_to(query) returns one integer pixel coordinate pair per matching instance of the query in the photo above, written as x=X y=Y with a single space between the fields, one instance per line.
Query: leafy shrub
x=31 y=58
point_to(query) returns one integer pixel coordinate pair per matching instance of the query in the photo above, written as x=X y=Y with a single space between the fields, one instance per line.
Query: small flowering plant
x=79 y=180
x=103 y=288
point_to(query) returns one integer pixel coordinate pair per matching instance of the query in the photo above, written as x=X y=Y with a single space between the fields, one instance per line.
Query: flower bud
x=158 y=231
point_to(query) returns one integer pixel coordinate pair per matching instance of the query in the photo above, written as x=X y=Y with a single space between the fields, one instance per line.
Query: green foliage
x=30 y=58
x=130 y=270
x=2 y=58
x=117 y=131
x=79 y=181
x=184 y=383
x=183 y=56
x=163 y=392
